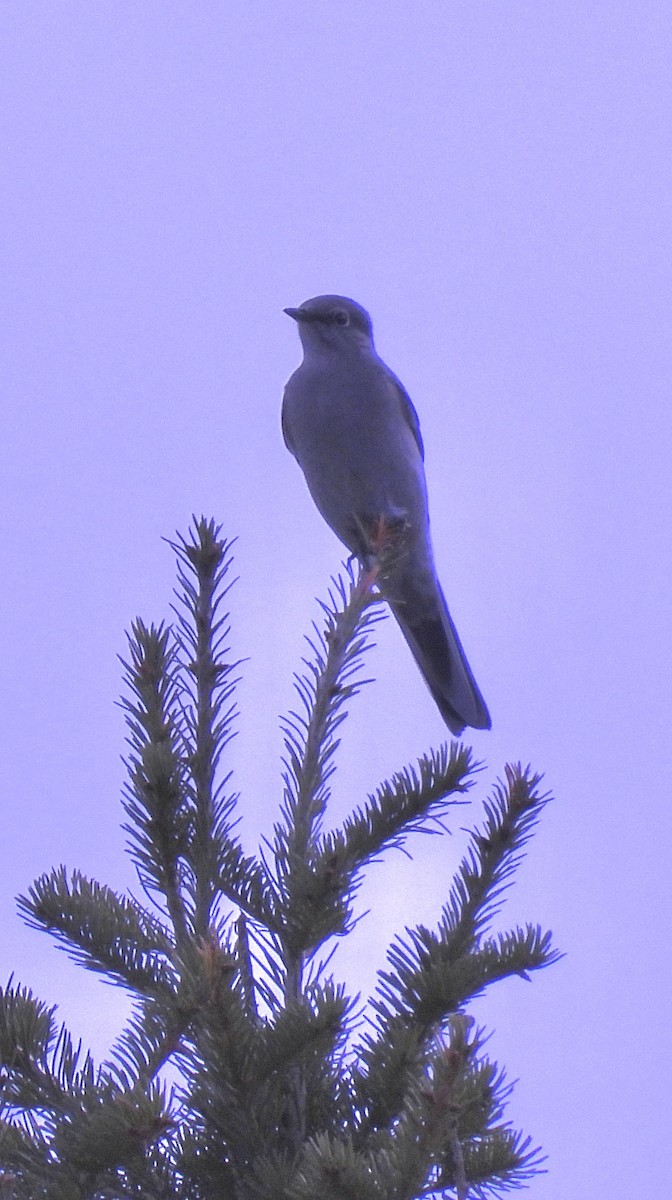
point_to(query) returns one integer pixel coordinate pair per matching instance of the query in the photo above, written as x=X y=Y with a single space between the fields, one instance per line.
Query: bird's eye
x=341 y=317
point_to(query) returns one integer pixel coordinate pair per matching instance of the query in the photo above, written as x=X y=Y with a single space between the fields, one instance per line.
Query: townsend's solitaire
x=355 y=434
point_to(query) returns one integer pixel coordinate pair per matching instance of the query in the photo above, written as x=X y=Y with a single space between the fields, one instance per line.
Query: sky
x=492 y=181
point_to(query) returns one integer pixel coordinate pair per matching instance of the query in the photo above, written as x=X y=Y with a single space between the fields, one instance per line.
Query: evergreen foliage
x=288 y=1091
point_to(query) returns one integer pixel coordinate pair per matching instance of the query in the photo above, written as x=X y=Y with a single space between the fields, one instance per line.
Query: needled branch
x=209 y=681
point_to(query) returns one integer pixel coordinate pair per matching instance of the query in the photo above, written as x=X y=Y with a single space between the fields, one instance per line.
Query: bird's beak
x=303 y=315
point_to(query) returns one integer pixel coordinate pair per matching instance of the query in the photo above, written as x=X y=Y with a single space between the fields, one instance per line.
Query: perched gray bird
x=355 y=434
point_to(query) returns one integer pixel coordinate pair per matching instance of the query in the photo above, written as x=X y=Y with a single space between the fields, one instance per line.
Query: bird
x=355 y=433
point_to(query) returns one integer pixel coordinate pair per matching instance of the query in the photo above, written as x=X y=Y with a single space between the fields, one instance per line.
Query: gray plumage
x=353 y=430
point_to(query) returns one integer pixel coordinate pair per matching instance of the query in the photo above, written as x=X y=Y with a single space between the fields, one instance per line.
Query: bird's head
x=332 y=321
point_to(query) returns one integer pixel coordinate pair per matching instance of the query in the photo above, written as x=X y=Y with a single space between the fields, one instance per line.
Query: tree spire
x=287 y=1089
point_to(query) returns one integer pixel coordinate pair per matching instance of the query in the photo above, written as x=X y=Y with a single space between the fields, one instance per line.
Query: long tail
x=427 y=625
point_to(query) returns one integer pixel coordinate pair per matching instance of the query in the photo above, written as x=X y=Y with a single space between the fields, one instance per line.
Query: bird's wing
x=408 y=410
x=284 y=418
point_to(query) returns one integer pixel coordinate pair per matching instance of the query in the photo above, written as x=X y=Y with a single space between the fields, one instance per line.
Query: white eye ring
x=341 y=317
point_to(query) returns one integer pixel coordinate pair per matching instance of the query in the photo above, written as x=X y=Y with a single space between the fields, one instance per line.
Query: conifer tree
x=289 y=1089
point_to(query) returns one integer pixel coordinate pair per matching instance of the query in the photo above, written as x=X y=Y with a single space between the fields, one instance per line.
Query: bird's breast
x=357 y=452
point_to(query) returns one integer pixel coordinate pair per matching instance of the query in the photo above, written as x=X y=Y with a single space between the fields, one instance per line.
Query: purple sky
x=493 y=182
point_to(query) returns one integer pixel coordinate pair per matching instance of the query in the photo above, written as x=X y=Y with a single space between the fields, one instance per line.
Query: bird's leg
x=387 y=540
x=387 y=531
x=383 y=542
